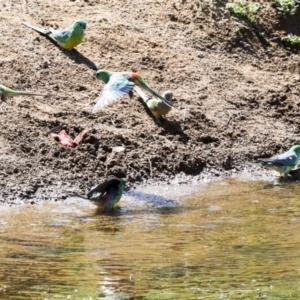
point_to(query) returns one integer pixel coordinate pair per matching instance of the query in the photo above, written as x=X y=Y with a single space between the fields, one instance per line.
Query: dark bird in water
x=107 y=194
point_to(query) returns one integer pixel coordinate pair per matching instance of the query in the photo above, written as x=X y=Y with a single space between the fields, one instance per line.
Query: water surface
x=230 y=239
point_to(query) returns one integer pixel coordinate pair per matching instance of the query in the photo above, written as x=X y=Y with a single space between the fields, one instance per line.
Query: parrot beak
x=84 y=27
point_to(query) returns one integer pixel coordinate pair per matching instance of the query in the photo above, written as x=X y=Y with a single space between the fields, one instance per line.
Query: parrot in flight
x=156 y=105
x=282 y=163
x=67 y=38
x=107 y=194
x=118 y=84
x=7 y=92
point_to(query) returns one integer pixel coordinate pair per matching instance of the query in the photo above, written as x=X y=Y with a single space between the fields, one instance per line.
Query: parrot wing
x=287 y=159
x=98 y=189
x=61 y=35
x=110 y=186
x=116 y=88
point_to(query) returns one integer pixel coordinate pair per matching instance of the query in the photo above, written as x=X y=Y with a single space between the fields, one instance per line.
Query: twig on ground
x=184 y=114
x=229 y=119
x=125 y=57
x=150 y=165
x=240 y=25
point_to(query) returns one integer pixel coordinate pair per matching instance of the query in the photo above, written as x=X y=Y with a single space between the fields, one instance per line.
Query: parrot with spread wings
x=118 y=84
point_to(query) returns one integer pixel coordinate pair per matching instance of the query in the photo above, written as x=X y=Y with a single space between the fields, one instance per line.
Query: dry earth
x=237 y=91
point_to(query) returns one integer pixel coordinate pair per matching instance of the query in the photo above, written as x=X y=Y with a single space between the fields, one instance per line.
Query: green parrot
x=156 y=105
x=67 y=38
x=282 y=163
x=7 y=92
x=107 y=194
x=118 y=84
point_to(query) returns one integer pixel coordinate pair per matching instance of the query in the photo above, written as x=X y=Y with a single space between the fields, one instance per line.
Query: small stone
x=135 y=155
x=118 y=149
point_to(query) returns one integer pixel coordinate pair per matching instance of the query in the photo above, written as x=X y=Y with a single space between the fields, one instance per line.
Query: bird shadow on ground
x=74 y=54
x=294 y=175
x=172 y=127
x=79 y=58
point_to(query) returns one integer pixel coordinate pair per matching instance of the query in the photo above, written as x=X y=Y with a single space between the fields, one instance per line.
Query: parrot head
x=296 y=149
x=80 y=24
x=138 y=79
x=103 y=75
x=168 y=95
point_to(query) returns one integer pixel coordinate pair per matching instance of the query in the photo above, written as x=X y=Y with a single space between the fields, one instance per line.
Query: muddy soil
x=236 y=88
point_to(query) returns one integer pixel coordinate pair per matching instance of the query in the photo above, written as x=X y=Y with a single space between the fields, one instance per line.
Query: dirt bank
x=237 y=90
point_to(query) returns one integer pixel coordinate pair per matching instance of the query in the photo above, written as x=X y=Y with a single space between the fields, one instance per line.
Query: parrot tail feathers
x=79 y=196
x=252 y=164
x=141 y=93
x=38 y=29
x=154 y=92
x=19 y=93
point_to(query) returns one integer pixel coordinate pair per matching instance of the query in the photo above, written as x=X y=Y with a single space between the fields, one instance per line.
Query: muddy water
x=232 y=239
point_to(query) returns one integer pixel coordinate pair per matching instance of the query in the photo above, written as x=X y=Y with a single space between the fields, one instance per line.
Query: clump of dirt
x=236 y=88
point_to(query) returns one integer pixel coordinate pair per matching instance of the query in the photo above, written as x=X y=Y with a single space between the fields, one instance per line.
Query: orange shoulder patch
x=135 y=76
x=102 y=198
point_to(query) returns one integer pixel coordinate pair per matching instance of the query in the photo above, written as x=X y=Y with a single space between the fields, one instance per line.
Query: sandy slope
x=237 y=93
